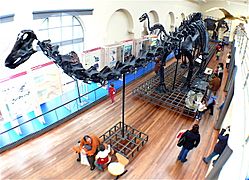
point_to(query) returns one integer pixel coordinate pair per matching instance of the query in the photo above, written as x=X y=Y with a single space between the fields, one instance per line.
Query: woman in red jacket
x=112 y=92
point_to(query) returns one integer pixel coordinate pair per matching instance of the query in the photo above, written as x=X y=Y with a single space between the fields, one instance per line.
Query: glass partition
x=60 y=108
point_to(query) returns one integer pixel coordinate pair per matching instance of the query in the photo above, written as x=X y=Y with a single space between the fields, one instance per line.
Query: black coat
x=192 y=140
x=222 y=143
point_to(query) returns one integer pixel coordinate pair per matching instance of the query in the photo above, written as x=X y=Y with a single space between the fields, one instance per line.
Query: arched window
x=172 y=21
x=119 y=27
x=65 y=31
x=183 y=16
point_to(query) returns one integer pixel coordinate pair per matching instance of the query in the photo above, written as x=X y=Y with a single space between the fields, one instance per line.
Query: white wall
x=96 y=24
x=103 y=10
x=237 y=166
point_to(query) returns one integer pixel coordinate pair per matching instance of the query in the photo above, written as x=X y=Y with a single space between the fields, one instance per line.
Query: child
x=102 y=156
x=200 y=110
x=112 y=92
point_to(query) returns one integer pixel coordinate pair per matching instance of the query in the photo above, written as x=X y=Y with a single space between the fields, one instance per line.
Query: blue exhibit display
x=62 y=106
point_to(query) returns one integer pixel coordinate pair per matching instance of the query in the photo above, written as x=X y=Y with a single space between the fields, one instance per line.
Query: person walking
x=112 y=92
x=219 y=147
x=192 y=139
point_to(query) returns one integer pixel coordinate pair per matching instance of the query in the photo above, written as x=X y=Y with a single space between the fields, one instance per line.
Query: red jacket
x=112 y=91
x=102 y=160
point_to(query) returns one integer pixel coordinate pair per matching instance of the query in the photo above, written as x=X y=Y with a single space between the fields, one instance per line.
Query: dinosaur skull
x=143 y=17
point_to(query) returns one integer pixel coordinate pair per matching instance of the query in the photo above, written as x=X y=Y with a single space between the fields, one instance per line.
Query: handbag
x=180 y=133
x=181 y=141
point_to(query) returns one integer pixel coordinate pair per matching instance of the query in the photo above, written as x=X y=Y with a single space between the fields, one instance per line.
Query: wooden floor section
x=50 y=156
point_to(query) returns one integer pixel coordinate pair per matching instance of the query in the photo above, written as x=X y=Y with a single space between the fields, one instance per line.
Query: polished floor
x=50 y=156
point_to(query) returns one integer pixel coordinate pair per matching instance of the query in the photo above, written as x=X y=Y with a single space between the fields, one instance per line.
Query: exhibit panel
x=93 y=57
x=46 y=82
x=16 y=96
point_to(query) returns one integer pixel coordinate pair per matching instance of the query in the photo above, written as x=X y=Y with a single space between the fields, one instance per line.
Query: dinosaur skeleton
x=70 y=62
x=211 y=26
x=191 y=33
x=228 y=15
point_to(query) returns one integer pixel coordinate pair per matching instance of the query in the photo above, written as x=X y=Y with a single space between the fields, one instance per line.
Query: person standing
x=215 y=84
x=228 y=60
x=217 y=48
x=89 y=144
x=200 y=109
x=210 y=104
x=219 y=147
x=220 y=71
x=112 y=92
x=192 y=139
x=218 y=55
x=157 y=66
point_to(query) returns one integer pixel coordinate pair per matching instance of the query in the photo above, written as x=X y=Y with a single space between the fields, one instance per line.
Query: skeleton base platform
x=128 y=145
x=173 y=99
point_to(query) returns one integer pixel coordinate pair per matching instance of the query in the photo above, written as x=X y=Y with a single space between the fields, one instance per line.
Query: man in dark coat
x=219 y=147
x=192 y=139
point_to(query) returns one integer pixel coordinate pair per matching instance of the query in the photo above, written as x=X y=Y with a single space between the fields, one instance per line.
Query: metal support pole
x=173 y=87
x=78 y=89
x=123 y=106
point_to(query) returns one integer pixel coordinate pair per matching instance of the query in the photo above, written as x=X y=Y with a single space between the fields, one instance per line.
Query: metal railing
x=75 y=99
x=24 y=130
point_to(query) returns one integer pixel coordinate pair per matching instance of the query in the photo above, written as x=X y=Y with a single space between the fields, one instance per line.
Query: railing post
x=77 y=85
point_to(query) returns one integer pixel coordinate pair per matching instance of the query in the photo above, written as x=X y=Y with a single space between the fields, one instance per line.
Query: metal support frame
x=123 y=138
x=174 y=100
x=123 y=106
x=77 y=85
x=130 y=145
